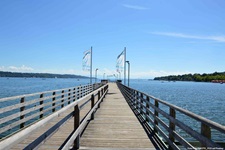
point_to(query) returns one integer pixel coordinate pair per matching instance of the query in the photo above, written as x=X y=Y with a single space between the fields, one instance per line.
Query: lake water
x=18 y=86
x=204 y=99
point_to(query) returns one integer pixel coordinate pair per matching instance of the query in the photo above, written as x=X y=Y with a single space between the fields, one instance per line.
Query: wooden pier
x=102 y=116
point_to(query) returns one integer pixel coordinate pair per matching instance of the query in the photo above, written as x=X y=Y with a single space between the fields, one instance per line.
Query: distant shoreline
x=215 y=77
x=38 y=75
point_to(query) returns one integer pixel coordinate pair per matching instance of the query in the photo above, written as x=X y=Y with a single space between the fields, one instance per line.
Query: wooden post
x=102 y=92
x=99 y=96
x=69 y=96
x=172 y=125
x=92 y=105
x=205 y=131
x=22 y=100
x=76 y=125
x=74 y=94
x=53 y=101
x=133 y=98
x=156 y=115
x=141 y=107
x=81 y=92
x=41 y=103
x=78 y=92
x=147 y=108
x=62 y=99
x=136 y=100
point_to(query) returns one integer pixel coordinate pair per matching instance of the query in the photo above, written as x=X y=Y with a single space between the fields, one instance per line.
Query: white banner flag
x=120 y=62
x=87 y=60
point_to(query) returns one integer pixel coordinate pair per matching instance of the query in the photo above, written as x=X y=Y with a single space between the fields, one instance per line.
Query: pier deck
x=115 y=126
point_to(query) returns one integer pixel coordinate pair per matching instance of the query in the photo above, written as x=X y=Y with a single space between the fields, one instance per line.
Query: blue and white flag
x=120 y=62
x=87 y=60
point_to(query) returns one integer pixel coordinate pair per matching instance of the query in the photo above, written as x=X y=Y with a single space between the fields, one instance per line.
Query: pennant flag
x=120 y=62
x=87 y=60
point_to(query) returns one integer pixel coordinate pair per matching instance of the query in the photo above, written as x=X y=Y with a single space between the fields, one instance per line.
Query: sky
x=161 y=37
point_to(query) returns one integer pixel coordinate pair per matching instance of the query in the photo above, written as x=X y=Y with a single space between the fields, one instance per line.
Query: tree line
x=38 y=75
x=194 y=77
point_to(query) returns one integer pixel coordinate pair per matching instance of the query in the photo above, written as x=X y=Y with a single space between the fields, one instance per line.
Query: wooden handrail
x=73 y=142
x=150 y=107
x=38 y=104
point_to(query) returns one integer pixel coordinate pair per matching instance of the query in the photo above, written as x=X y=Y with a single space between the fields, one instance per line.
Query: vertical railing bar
x=205 y=131
x=141 y=104
x=147 y=107
x=92 y=105
x=172 y=126
x=22 y=100
x=41 y=103
x=69 y=96
x=76 y=125
x=156 y=115
x=62 y=101
x=53 y=101
x=74 y=94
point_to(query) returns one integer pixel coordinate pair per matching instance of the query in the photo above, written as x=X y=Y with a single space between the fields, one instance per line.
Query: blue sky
x=162 y=37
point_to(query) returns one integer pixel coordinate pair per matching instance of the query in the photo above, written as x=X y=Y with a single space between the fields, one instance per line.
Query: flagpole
x=124 y=65
x=91 y=68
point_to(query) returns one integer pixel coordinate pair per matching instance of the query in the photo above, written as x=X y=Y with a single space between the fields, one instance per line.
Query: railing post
x=205 y=131
x=81 y=91
x=74 y=94
x=92 y=105
x=132 y=100
x=69 y=96
x=99 y=96
x=147 y=108
x=136 y=100
x=62 y=99
x=78 y=92
x=41 y=103
x=104 y=90
x=22 y=100
x=53 y=102
x=141 y=103
x=76 y=125
x=172 y=126
x=156 y=115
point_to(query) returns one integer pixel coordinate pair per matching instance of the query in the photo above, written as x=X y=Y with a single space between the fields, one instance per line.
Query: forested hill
x=194 y=77
x=38 y=75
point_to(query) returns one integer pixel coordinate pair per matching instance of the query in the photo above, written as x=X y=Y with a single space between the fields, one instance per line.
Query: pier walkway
x=115 y=125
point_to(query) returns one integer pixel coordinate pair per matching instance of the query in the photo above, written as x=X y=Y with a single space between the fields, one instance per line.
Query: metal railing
x=21 y=112
x=155 y=119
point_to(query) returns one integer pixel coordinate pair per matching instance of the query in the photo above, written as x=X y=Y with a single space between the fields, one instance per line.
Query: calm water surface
x=18 y=86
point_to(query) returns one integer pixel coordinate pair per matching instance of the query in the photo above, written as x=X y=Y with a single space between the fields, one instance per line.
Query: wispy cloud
x=181 y=35
x=22 y=68
x=136 y=7
x=157 y=73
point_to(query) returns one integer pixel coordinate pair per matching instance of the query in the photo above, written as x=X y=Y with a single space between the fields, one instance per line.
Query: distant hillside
x=194 y=77
x=38 y=75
